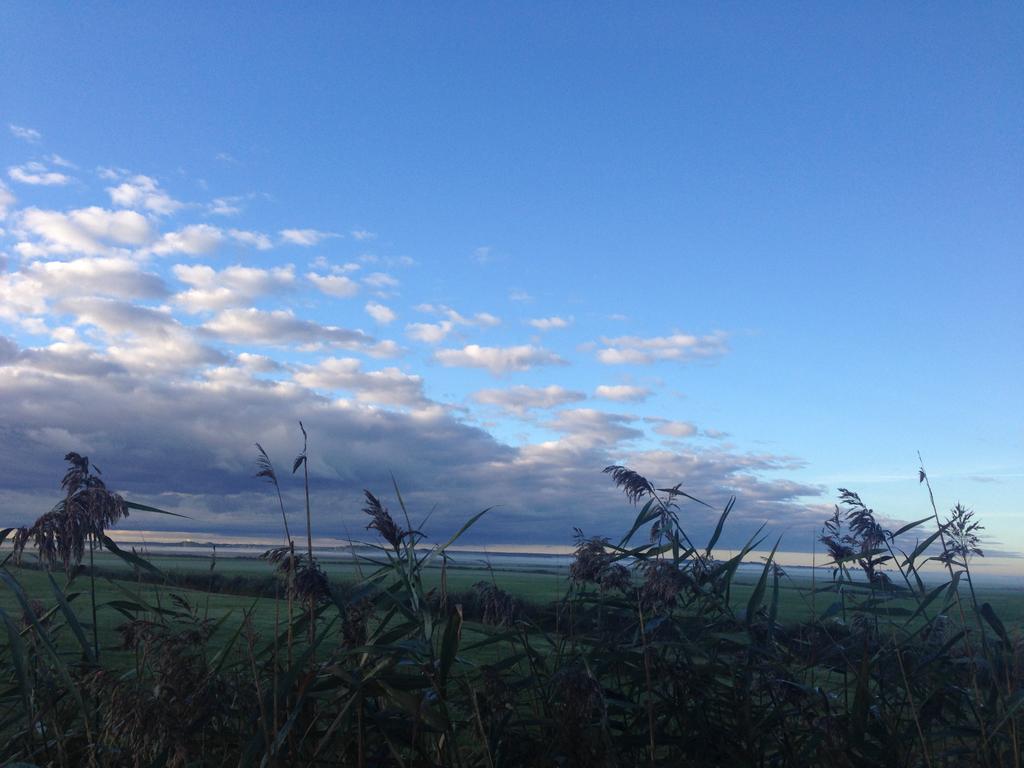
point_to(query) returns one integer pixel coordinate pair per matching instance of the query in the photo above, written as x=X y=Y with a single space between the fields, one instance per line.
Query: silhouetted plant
x=82 y=516
x=658 y=655
x=962 y=539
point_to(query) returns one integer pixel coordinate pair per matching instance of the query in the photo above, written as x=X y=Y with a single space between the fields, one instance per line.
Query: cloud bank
x=163 y=346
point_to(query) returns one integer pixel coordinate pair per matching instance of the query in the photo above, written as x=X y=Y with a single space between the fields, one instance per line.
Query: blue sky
x=492 y=248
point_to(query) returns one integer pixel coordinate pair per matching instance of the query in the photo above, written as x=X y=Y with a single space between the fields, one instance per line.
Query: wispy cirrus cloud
x=31 y=135
x=224 y=206
x=257 y=240
x=381 y=280
x=230 y=205
x=55 y=159
x=483 y=254
x=38 y=174
x=7 y=200
x=485 y=319
x=305 y=237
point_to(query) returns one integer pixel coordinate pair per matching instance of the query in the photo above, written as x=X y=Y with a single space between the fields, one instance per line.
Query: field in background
x=649 y=652
x=243 y=585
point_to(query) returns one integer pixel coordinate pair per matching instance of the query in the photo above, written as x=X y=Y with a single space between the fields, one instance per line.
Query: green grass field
x=482 y=649
x=535 y=586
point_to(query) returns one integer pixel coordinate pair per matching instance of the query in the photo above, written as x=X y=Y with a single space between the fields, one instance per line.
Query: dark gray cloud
x=8 y=350
x=187 y=444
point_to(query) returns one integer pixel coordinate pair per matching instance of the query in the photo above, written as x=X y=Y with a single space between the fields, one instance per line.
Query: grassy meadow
x=245 y=585
x=648 y=650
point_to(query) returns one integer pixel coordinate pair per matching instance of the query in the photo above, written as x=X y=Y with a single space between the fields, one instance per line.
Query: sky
x=488 y=249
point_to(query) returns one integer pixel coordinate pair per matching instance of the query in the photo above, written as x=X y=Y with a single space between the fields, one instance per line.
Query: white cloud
x=588 y=428
x=229 y=205
x=223 y=206
x=20 y=297
x=37 y=174
x=143 y=192
x=257 y=240
x=429 y=333
x=623 y=393
x=497 y=360
x=280 y=328
x=382 y=314
x=323 y=263
x=193 y=240
x=66 y=360
x=195 y=410
x=30 y=135
x=258 y=363
x=670 y=428
x=623 y=357
x=111 y=173
x=116 y=277
x=118 y=318
x=521 y=399
x=305 y=236
x=679 y=347
x=234 y=286
x=56 y=159
x=389 y=386
x=6 y=200
x=433 y=333
x=176 y=351
x=334 y=285
x=550 y=323
x=519 y=296
x=380 y=280
x=362 y=234
x=384 y=349
x=89 y=231
x=483 y=254
x=141 y=338
x=485 y=319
